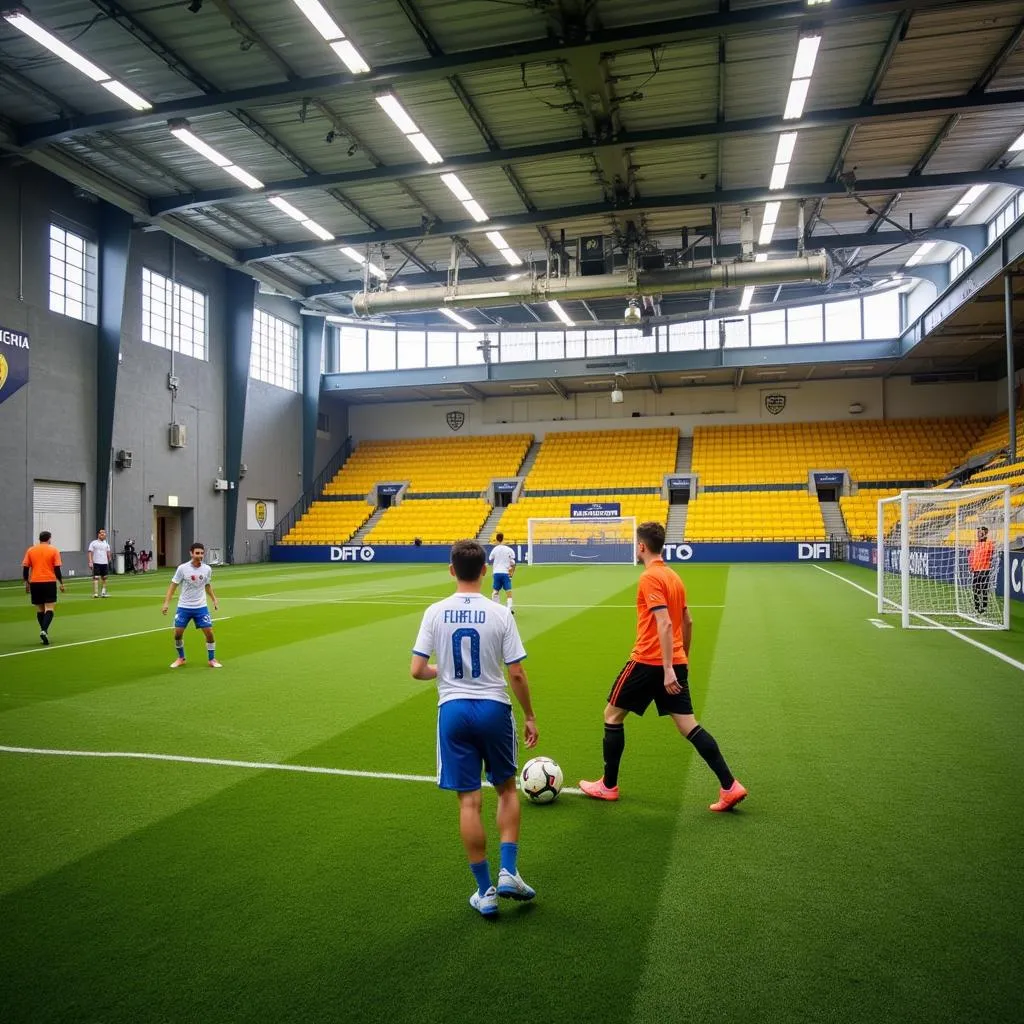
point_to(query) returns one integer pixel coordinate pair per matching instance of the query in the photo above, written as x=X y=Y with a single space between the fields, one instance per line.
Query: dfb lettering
x=678 y=552
x=813 y=552
x=350 y=554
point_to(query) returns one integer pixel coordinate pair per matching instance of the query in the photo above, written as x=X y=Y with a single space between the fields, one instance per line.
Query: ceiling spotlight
x=195 y=6
x=330 y=136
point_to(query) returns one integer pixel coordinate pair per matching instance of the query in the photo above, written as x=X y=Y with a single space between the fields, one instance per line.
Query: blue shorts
x=200 y=616
x=473 y=735
x=502 y=581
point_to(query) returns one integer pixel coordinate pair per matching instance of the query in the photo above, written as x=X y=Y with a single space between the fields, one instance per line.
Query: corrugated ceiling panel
x=675 y=168
x=758 y=72
x=885 y=148
x=615 y=13
x=747 y=162
x=947 y=50
x=977 y=140
x=847 y=58
x=468 y=24
x=566 y=181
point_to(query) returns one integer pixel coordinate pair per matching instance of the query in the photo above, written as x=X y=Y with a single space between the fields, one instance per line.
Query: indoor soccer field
x=290 y=859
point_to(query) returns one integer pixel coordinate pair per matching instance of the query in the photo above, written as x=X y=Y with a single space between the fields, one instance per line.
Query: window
x=353 y=350
x=842 y=320
x=380 y=347
x=575 y=344
x=958 y=264
x=882 y=314
x=629 y=341
x=469 y=348
x=274 y=358
x=550 y=345
x=600 y=343
x=689 y=335
x=323 y=425
x=412 y=350
x=173 y=315
x=72 y=275
x=441 y=349
x=518 y=346
x=805 y=325
x=768 y=327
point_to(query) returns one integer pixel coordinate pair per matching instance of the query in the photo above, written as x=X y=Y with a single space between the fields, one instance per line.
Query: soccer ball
x=541 y=779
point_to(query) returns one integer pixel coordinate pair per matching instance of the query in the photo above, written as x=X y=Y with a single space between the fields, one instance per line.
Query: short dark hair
x=983 y=530
x=197 y=544
x=468 y=560
x=652 y=534
x=499 y=537
x=45 y=536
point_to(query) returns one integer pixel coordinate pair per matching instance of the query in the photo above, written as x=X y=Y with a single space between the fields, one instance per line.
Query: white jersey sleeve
x=512 y=648
x=504 y=558
x=194 y=581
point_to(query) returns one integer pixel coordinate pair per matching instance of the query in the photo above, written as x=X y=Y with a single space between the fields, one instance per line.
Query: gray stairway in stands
x=485 y=534
x=360 y=535
x=531 y=458
x=835 y=525
x=675 y=528
x=684 y=454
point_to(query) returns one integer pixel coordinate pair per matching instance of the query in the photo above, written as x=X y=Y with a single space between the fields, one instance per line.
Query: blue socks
x=482 y=873
x=180 y=648
x=509 y=853
x=210 y=648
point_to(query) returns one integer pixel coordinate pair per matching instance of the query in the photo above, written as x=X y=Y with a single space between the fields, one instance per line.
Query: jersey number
x=474 y=652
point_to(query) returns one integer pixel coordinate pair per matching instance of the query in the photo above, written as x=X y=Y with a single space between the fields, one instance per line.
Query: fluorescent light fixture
x=498 y=241
x=388 y=102
x=796 y=99
x=818 y=3
x=20 y=20
x=123 y=93
x=491 y=295
x=806 y=55
x=771 y=215
x=318 y=230
x=285 y=207
x=186 y=135
x=748 y=294
x=457 y=189
x=452 y=315
x=514 y=277
x=761 y=257
x=779 y=175
x=350 y=56
x=765 y=237
x=556 y=307
x=511 y=257
x=787 y=143
x=399 y=288
x=316 y=14
x=476 y=211
x=356 y=256
x=967 y=200
x=1018 y=144
x=425 y=148
x=243 y=176
x=922 y=250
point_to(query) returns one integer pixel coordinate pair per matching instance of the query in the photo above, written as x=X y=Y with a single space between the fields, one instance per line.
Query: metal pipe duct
x=482 y=294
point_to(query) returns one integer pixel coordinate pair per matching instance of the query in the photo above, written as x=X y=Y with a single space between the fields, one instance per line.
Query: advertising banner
x=14 y=362
x=596 y=510
x=260 y=513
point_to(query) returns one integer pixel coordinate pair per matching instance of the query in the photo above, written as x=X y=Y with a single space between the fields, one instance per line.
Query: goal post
x=944 y=557
x=609 y=541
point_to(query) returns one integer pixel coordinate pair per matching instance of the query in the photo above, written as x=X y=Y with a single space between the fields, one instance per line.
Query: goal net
x=944 y=558
x=578 y=541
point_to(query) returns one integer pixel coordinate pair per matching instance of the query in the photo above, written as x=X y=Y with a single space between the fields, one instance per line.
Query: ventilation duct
x=483 y=294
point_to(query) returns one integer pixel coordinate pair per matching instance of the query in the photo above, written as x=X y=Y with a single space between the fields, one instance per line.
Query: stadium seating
x=994 y=437
x=432 y=465
x=754 y=515
x=514 y=522
x=604 y=459
x=860 y=512
x=432 y=520
x=329 y=522
x=871 y=450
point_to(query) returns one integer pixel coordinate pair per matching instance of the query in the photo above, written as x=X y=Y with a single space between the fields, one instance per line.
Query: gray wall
x=48 y=429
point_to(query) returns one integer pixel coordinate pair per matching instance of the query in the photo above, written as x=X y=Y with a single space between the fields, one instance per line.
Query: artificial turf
x=872 y=875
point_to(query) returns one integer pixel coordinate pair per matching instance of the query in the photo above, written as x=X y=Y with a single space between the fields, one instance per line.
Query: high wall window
x=1005 y=217
x=274 y=358
x=72 y=275
x=173 y=315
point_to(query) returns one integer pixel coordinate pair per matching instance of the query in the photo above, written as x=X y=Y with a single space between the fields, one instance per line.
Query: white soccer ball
x=541 y=779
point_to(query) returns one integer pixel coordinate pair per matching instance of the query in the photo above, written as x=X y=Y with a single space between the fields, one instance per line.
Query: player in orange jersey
x=657 y=670
x=979 y=561
x=40 y=570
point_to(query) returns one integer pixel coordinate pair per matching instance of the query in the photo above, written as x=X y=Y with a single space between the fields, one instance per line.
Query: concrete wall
x=681 y=408
x=48 y=429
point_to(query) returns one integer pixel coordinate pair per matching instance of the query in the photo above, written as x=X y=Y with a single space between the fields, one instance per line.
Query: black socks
x=47 y=618
x=39 y=619
x=614 y=745
x=705 y=745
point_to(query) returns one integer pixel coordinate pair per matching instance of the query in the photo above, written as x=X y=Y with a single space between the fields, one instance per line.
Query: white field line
x=938 y=625
x=97 y=640
x=224 y=762
x=418 y=602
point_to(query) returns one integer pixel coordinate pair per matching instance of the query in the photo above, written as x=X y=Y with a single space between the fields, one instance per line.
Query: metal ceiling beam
x=700 y=200
x=739 y=22
x=679 y=133
x=558 y=387
x=973 y=237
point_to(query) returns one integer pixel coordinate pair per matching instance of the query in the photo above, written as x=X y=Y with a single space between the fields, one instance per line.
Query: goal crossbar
x=942 y=555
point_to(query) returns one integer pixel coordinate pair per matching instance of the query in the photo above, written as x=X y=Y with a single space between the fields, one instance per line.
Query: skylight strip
x=748 y=294
x=796 y=99
x=452 y=315
x=556 y=307
x=806 y=55
x=476 y=211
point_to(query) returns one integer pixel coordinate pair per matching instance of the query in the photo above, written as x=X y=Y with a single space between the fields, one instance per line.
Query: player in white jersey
x=473 y=640
x=99 y=562
x=194 y=579
x=503 y=565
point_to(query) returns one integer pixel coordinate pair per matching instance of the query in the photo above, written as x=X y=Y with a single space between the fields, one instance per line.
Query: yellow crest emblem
x=260 y=511
x=4 y=371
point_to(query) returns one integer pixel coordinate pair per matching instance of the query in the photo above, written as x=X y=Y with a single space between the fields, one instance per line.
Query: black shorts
x=637 y=685
x=43 y=593
x=100 y=570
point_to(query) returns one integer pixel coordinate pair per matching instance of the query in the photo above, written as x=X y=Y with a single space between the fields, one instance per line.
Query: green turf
x=873 y=875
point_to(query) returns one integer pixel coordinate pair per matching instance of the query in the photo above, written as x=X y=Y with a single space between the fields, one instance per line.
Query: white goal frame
x=580 y=525
x=924 y=618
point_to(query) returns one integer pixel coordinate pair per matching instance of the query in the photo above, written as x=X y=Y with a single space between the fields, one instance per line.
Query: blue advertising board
x=679 y=483
x=383 y=489
x=596 y=510
x=828 y=479
x=809 y=551
x=505 y=486
x=14 y=362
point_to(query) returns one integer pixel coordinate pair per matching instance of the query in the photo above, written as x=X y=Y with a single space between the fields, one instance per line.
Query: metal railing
x=301 y=507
